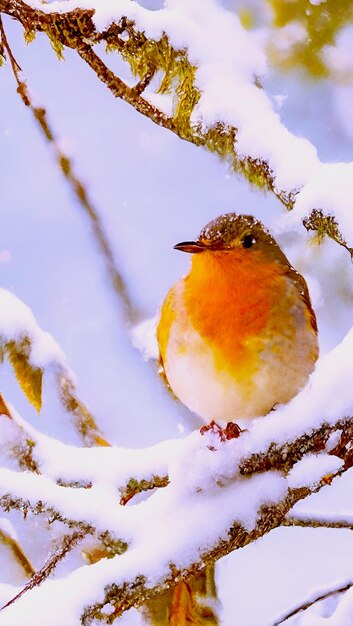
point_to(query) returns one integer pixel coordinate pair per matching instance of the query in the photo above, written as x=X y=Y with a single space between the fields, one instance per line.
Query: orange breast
x=168 y=314
x=229 y=298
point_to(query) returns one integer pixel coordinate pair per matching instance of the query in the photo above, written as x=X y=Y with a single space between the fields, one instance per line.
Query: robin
x=238 y=334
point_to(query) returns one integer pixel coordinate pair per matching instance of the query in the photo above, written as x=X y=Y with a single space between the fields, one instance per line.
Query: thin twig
x=68 y=542
x=77 y=186
x=308 y=604
x=140 y=87
x=121 y=90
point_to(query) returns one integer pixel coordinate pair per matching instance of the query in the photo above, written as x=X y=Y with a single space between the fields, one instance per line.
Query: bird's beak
x=190 y=246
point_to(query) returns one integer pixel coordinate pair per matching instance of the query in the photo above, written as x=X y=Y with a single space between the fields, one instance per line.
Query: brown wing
x=302 y=287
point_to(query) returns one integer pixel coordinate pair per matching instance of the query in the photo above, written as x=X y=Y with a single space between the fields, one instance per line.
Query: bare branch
x=119 y=89
x=67 y=543
x=77 y=186
x=307 y=604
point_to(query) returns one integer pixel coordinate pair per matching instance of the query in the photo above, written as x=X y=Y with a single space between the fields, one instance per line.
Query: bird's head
x=236 y=236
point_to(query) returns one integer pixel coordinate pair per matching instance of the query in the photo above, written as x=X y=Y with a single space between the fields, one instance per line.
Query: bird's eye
x=248 y=241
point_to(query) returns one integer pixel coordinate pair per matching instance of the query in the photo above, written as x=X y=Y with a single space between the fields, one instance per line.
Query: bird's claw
x=231 y=431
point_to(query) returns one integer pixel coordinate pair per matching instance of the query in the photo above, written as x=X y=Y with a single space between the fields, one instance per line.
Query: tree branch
x=121 y=90
x=279 y=456
x=134 y=591
x=76 y=29
x=147 y=56
x=291 y=521
x=129 y=579
x=77 y=186
x=19 y=346
x=11 y=502
x=67 y=544
x=307 y=604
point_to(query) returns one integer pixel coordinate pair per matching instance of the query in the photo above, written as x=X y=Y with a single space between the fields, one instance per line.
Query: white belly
x=194 y=379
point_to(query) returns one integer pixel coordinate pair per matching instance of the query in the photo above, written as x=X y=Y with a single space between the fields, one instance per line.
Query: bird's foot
x=231 y=431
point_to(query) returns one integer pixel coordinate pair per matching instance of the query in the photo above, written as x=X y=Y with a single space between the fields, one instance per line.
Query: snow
x=334 y=611
x=7 y=592
x=17 y=321
x=152 y=551
x=313 y=467
x=7 y=528
x=203 y=473
x=112 y=466
x=201 y=478
x=325 y=399
x=162 y=101
x=224 y=68
x=144 y=338
x=312 y=616
x=329 y=189
x=340 y=56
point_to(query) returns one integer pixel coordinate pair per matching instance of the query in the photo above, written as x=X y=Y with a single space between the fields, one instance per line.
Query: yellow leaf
x=29 y=377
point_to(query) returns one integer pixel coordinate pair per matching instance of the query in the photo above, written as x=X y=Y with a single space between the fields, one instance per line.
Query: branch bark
x=76 y=29
x=291 y=521
x=67 y=544
x=135 y=591
x=129 y=583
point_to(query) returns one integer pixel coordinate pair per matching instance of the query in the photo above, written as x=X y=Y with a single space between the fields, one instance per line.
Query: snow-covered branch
x=31 y=352
x=204 y=497
x=204 y=475
x=252 y=482
x=327 y=521
x=252 y=505
x=67 y=543
x=247 y=508
x=243 y=128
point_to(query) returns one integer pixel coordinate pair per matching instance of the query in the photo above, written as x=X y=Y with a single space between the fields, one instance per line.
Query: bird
x=237 y=335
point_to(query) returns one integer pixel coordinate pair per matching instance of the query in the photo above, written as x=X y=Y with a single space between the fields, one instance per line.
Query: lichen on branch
x=168 y=69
